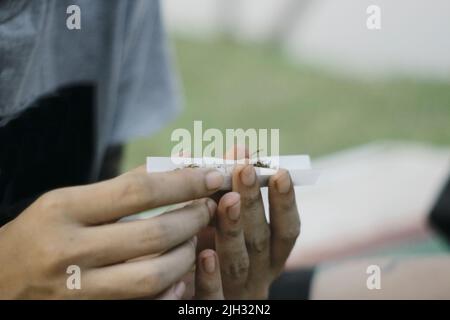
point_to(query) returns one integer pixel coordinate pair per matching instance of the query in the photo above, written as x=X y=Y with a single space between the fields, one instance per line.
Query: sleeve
x=440 y=214
x=149 y=94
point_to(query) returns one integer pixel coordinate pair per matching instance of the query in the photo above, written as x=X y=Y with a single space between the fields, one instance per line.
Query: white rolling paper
x=299 y=167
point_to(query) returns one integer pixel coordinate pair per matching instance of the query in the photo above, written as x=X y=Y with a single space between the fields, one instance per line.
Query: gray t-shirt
x=121 y=48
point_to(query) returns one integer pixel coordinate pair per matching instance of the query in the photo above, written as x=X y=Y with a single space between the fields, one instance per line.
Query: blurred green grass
x=231 y=85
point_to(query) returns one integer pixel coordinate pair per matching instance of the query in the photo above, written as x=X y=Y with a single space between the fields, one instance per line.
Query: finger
x=207 y=236
x=230 y=245
x=142 y=278
x=137 y=191
x=189 y=280
x=206 y=239
x=131 y=239
x=175 y=292
x=237 y=152
x=256 y=228
x=284 y=218
x=208 y=283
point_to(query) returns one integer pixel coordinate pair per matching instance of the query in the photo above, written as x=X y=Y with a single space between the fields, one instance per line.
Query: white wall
x=414 y=39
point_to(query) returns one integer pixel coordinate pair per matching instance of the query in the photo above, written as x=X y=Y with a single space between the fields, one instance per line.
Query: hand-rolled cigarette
x=299 y=167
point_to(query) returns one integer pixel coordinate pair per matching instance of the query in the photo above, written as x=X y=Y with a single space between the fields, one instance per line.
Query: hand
x=120 y=260
x=208 y=283
x=251 y=251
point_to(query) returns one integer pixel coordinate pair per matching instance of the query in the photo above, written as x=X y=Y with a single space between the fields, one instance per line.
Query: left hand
x=252 y=252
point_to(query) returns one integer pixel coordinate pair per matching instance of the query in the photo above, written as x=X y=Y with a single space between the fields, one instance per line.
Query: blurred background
x=371 y=106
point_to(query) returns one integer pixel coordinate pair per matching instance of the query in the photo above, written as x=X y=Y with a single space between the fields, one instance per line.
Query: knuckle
x=151 y=282
x=259 y=243
x=291 y=234
x=129 y=188
x=54 y=257
x=195 y=185
x=238 y=269
x=66 y=252
x=251 y=199
x=286 y=206
x=52 y=201
x=82 y=248
x=202 y=214
x=132 y=190
x=156 y=236
x=232 y=232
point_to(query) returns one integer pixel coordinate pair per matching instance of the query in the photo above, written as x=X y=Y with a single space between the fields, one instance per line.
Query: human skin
x=147 y=258
x=208 y=282
x=252 y=251
x=118 y=260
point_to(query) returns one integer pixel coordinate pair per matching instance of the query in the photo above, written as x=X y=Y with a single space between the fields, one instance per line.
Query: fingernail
x=214 y=180
x=180 y=288
x=234 y=212
x=212 y=206
x=209 y=264
x=283 y=183
x=248 y=176
x=234 y=208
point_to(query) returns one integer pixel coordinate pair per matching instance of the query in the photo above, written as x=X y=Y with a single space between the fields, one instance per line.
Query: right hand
x=118 y=260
